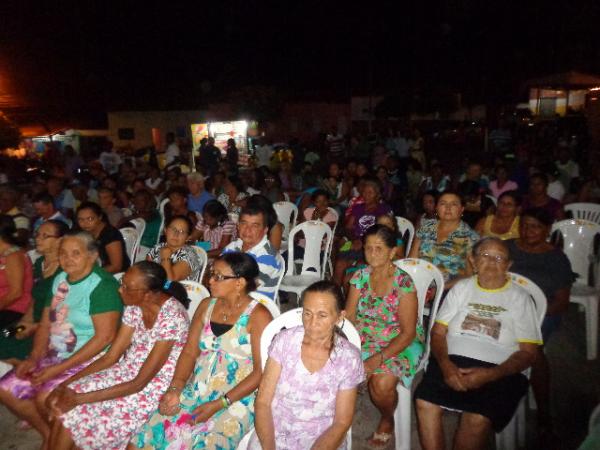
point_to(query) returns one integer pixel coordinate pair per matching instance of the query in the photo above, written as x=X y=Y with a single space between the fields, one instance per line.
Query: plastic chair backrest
x=140 y=226
x=594 y=419
x=161 y=210
x=293 y=318
x=493 y=199
x=406 y=226
x=578 y=244
x=118 y=276
x=267 y=303
x=281 y=262
x=287 y=214
x=196 y=293
x=539 y=298
x=585 y=211
x=203 y=257
x=423 y=273
x=131 y=238
x=33 y=255
x=337 y=218
x=314 y=231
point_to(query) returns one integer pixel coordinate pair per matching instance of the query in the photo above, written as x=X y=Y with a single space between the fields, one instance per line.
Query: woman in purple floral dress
x=382 y=303
x=308 y=391
x=105 y=404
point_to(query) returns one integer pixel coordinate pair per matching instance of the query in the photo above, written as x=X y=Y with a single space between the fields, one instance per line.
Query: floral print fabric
x=450 y=256
x=377 y=323
x=224 y=362
x=110 y=424
x=304 y=402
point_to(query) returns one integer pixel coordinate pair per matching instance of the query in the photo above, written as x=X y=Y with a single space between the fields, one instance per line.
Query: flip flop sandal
x=379 y=441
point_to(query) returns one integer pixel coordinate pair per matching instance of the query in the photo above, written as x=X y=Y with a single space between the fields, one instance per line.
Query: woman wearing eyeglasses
x=210 y=402
x=111 y=246
x=81 y=315
x=106 y=403
x=180 y=261
x=485 y=335
x=18 y=344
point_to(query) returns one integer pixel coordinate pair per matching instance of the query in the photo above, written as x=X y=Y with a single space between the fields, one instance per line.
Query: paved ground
x=575 y=386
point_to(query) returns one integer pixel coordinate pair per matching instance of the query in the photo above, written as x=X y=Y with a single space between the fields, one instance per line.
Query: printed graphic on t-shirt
x=482 y=326
x=62 y=336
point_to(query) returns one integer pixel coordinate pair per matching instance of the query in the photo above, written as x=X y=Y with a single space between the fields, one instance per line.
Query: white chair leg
x=402 y=419
x=507 y=438
x=591 y=327
x=531 y=399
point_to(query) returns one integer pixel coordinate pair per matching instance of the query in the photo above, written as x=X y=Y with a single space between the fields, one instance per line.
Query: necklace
x=225 y=315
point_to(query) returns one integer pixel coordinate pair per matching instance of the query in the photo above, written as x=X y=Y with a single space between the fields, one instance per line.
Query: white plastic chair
x=422 y=274
x=33 y=255
x=405 y=225
x=196 y=293
x=161 y=210
x=203 y=257
x=578 y=244
x=5 y=368
x=594 y=419
x=132 y=242
x=118 y=276
x=140 y=226
x=290 y=319
x=513 y=436
x=493 y=199
x=333 y=229
x=585 y=211
x=287 y=214
x=314 y=232
x=281 y=263
x=267 y=303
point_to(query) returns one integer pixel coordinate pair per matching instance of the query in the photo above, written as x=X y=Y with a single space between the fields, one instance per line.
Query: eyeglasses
x=498 y=259
x=221 y=277
x=44 y=236
x=177 y=231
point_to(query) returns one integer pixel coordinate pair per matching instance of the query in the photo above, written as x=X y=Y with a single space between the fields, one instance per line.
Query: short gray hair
x=195 y=176
x=486 y=240
x=91 y=245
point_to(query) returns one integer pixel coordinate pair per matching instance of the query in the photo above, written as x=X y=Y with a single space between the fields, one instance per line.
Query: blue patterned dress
x=223 y=363
x=450 y=255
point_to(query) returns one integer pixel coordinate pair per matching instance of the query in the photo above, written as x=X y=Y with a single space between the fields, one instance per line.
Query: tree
x=9 y=134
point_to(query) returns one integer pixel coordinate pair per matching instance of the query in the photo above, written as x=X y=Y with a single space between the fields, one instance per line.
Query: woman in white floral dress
x=104 y=405
x=210 y=403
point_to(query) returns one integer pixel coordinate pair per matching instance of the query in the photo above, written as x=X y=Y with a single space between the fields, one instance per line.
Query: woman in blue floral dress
x=382 y=303
x=447 y=241
x=210 y=402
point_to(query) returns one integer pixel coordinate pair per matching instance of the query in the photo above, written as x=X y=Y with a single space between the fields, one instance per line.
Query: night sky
x=65 y=55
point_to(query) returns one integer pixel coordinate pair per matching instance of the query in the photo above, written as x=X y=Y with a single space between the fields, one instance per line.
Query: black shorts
x=497 y=400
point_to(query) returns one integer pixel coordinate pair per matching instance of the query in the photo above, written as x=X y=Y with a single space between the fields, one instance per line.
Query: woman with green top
x=18 y=344
x=81 y=315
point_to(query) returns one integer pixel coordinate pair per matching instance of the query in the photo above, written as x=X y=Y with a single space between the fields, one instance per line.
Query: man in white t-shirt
x=172 y=151
x=264 y=152
x=110 y=159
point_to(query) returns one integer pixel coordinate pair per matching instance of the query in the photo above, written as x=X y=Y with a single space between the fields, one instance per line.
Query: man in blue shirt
x=197 y=197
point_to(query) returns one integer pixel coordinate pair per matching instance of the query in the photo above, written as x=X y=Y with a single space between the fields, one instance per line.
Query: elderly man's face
x=252 y=229
x=195 y=186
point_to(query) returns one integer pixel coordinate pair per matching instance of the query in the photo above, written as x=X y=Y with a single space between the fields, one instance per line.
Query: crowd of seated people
x=84 y=348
